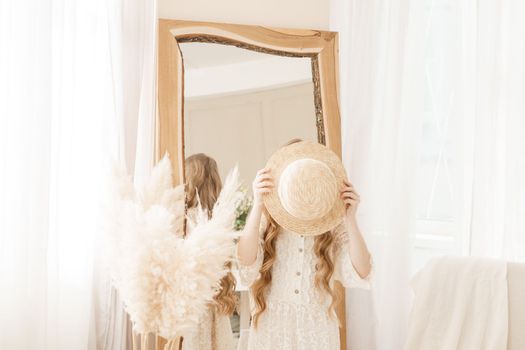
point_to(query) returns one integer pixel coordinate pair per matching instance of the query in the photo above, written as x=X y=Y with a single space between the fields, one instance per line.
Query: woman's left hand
x=351 y=199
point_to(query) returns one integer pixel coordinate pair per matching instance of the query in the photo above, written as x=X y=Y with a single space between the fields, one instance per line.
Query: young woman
x=203 y=184
x=291 y=276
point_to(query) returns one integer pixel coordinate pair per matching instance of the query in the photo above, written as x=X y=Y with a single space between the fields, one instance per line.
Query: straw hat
x=307 y=179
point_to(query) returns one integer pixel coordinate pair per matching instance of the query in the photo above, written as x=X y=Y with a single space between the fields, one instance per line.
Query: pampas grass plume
x=167 y=282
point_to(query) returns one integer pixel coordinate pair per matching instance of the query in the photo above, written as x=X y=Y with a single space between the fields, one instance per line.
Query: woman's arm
x=249 y=240
x=358 y=250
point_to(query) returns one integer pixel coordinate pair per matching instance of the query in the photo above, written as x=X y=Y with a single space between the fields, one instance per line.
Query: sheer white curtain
x=132 y=47
x=61 y=120
x=380 y=77
x=433 y=120
x=497 y=101
x=57 y=128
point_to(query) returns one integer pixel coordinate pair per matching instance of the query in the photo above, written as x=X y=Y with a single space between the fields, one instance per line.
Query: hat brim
x=278 y=162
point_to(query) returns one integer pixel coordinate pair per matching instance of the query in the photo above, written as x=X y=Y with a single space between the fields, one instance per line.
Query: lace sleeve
x=344 y=269
x=249 y=273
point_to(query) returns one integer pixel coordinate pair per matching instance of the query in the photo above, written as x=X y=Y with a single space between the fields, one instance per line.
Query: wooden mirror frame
x=320 y=46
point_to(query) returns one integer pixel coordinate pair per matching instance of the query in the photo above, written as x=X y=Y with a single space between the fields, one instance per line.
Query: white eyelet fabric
x=296 y=316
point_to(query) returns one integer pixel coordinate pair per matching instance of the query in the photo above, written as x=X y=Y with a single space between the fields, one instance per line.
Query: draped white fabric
x=497 y=91
x=71 y=92
x=132 y=48
x=388 y=83
x=57 y=129
x=380 y=105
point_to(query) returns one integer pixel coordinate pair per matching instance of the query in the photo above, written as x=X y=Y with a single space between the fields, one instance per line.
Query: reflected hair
x=203 y=185
x=203 y=182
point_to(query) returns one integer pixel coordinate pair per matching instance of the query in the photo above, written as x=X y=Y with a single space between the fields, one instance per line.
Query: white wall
x=306 y=14
x=274 y=71
x=246 y=128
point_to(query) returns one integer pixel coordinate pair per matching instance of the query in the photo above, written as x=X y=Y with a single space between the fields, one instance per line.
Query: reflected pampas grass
x=165 y=280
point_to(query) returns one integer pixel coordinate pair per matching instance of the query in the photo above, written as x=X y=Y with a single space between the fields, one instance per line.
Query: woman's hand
x=262 y=184
x=358 y=250
x=351 y=199
x=249 y=240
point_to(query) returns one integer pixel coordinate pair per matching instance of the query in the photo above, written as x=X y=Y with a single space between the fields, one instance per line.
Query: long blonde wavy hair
x=323 y=248
x=203 y=185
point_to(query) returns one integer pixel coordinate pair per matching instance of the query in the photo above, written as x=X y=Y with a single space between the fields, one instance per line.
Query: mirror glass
x=240 y=106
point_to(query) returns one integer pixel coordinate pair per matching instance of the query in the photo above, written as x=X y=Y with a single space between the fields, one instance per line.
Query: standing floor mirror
x=237 y=93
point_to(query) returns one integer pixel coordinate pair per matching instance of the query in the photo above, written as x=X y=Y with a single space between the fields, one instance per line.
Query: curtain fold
x=452 y=72
x=57 y=131
x=498 y=129
x=132 y=48
x=75 y=79
x=380 y=98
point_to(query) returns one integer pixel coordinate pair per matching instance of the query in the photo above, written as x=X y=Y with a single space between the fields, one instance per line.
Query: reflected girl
x=203 y=185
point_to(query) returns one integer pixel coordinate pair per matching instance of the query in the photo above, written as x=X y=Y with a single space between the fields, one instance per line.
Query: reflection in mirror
x=239 y=107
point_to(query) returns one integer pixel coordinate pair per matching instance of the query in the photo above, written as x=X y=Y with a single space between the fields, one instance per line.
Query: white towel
x=459 y=304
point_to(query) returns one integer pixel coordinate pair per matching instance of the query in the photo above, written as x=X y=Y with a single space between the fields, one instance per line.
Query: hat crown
x=307 y=189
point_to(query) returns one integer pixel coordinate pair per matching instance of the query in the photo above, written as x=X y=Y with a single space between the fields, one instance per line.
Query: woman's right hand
x=247 y=247
x=262 y=184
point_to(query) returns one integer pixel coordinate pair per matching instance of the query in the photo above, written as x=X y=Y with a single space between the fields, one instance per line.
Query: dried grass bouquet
x=167 y=281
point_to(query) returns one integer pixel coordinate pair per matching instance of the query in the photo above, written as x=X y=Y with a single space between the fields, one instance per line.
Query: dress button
x=298 y=273
x=300 y=250
x=296 y=291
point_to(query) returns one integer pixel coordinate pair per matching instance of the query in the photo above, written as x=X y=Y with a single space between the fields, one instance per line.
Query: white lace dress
x=212 y=334
x=296 y=316
x=214 y=331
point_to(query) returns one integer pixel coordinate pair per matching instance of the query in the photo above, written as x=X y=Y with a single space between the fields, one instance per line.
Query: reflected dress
x=214 y=331
x=296 y=315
